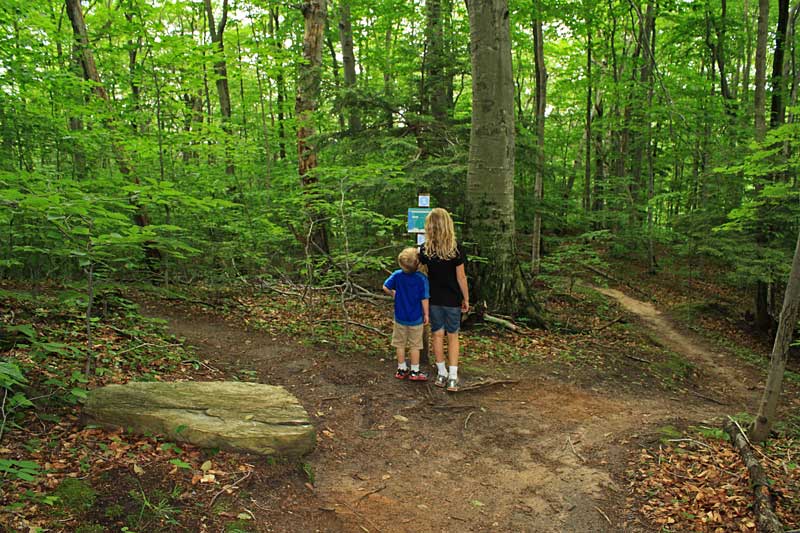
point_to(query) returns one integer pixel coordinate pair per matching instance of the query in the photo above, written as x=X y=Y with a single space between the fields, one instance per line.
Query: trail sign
x=416 y=219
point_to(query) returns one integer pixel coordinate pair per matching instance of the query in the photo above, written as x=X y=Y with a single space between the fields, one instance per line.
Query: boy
x=410 y=291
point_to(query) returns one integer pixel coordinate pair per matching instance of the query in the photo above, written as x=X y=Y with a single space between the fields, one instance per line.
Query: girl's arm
x=461 y=277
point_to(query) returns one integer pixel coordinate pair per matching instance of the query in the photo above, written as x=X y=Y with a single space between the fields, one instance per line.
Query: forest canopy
x=219 y=138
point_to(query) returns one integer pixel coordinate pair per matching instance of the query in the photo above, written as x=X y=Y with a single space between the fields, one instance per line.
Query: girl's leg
x=452 y=349
x=438 y=345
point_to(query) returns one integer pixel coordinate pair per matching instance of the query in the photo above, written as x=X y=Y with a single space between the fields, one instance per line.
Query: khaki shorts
x=407 y=336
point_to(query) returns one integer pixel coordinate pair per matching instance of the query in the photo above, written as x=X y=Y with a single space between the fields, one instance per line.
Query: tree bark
x=777 y=114
x=780 y=353
x=221 y=70
x=766 y=519
x=90 y=74
x=587 y=171
x=308 y=90
x=759 y=99
x=490 y=174
x=336 y=82
x=280 y=81
x=436 y=62
x=349 y=67
x=541 y=104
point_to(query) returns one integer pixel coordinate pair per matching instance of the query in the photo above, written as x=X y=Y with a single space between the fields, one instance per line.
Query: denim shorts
x=448 y=318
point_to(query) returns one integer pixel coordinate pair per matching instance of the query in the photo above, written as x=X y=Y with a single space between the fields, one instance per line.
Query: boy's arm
x=425 y=312
x=388 y=291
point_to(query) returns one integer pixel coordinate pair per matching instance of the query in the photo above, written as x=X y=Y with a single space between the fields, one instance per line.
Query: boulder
x=230 y=415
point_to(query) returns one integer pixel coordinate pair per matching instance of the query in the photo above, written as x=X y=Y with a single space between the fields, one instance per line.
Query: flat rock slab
x=230 y=415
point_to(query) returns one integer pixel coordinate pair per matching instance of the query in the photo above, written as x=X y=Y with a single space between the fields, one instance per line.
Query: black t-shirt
x=442 y=277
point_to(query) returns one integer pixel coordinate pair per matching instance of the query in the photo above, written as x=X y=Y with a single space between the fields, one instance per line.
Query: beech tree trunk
x=280 y=81
x=490 y=174
x=90 y=74
x=760 y=97
x=436 y=79
x=308 y=90
x=780 y=352
x=541 y=104
x=349 y=66
x=221 y=70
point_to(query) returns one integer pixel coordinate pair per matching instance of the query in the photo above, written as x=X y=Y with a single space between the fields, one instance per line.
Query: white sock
x=402 y=366
x=441 y=368
x=453 y=372
x=415 y=368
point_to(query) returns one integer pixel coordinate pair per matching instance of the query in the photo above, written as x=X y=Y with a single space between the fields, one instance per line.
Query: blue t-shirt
x=410 y=289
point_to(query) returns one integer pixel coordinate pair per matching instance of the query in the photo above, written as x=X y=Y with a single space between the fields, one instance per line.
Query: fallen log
x=766 y=519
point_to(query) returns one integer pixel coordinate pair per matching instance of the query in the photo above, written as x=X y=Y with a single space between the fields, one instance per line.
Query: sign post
x=416 y=225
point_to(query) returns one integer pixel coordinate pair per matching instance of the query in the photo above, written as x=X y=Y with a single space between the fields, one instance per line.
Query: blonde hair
x=440 y=235
x=408 y=259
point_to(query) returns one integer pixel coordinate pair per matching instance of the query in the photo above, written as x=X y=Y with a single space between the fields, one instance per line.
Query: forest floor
x=608 y=422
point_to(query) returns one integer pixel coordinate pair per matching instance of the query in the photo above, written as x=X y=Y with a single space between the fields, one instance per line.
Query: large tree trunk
x=541 y=103
x=349 y=64
x=436 y=62
x=587 y=170
x=490 y=175
x=90 y=74
x=778 y=105
x=280 y=80
x=760 y=97
x=780 y=352
x=221 y=70
x=308 y=89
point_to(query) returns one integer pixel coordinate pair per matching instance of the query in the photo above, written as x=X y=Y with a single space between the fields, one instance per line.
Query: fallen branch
x=486 y=383
x=504 y=323
x=601 y=328
x=604 y=515
x=579 y=456
x=712 y=400
x=703 y=444
x=229 y=487
x=766 y=520
x=373 y=491
x=467 y=419
x=353 y=323
x=638 y=359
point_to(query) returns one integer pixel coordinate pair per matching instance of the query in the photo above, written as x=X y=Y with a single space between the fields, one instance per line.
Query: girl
x=449 y=294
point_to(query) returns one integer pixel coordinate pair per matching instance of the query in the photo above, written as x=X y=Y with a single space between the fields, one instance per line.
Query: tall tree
x=349 y=64
x=541 y=105
x=437 y=90
x=490 y=174
x=306 y=103
x=780 y=353
x=217 y=33
x=90 y=74
x=760 y=97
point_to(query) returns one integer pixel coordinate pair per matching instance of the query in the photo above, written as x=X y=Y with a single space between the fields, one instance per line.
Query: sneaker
x=402 y=373
x=440 y=381
x=452 y=385
x=418 y=376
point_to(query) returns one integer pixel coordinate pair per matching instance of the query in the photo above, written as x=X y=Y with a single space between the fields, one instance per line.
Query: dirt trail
x=727 y=379
x=537 y=456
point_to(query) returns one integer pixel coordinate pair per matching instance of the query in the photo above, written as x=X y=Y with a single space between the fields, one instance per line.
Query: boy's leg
x=413 y=354
x=401 y=356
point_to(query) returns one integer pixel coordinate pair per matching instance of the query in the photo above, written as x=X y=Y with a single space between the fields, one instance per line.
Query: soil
x=538 y=455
